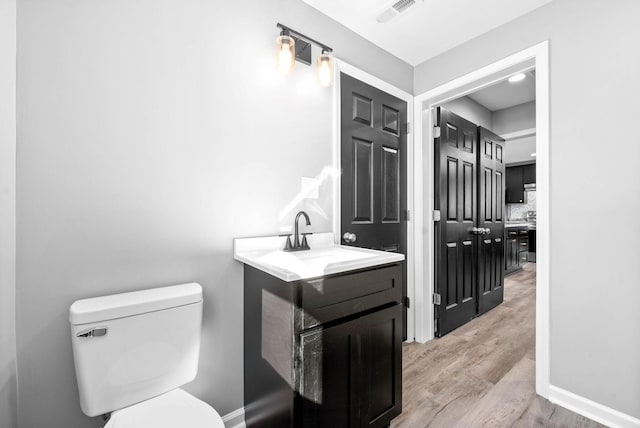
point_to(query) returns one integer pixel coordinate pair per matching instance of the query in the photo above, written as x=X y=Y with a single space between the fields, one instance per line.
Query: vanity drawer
x=335 y=297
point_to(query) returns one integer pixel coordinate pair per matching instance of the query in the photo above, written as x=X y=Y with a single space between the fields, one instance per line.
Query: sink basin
x=319 y=261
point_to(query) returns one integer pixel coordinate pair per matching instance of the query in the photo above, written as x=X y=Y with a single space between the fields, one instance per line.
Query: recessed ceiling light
x=533 y=154
x=517 y=77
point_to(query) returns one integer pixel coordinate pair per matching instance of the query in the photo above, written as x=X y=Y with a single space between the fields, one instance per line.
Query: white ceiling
x=504 y=94
x=428 y=28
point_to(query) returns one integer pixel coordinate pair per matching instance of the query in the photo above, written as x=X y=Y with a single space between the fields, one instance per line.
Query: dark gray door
x=373 y=160
x=456 y=240
x=491 y=215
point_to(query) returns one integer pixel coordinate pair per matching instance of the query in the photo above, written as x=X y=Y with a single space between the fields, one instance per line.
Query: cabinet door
x=381 y=379
x=511 y=256
x=523 y=250
x=329 y=389
x=529 y=174
x=515 y=185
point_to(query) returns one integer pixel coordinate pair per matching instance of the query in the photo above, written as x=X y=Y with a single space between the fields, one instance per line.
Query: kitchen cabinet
x=516 y=248
x=529 y=173
x=325 y=351
x=516 y=178
x=515 y=185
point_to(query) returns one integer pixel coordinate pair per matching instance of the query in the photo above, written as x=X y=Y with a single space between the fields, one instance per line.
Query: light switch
x=309 y=187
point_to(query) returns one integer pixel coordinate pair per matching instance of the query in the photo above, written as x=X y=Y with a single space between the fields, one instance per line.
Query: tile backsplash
x=520 y=210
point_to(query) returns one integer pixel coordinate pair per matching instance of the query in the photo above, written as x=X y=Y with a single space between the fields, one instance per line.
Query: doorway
x=424 y=119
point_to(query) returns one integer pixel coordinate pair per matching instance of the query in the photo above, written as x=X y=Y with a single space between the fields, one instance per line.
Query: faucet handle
x=305 y=245
x=287 y=243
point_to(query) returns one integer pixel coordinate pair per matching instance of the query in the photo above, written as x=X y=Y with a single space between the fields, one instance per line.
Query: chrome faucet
x=297 y=244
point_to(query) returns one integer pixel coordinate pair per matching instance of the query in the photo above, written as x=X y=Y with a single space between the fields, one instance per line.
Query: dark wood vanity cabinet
x=325 y=352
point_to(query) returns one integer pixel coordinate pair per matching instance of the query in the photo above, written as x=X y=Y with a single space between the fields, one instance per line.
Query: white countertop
x=324 y=257
x=519 y=224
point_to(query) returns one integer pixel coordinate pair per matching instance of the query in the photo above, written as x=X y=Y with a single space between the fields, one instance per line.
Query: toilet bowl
x=133 y=352
x=173 y=409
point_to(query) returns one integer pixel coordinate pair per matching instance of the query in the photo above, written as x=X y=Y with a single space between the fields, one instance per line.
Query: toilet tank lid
x=121 y=305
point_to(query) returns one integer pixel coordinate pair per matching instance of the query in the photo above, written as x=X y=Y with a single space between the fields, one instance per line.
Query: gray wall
x=8 y=394
x=516 y=118
x=519 y=150
x=151 y=134
x=471 y=110
x=595 y=345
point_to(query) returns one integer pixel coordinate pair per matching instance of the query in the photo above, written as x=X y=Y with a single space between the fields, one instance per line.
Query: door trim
x=536 y=56
x=343 y=67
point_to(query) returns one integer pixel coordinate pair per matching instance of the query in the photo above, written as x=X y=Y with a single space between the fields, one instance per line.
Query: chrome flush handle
x=94 y=332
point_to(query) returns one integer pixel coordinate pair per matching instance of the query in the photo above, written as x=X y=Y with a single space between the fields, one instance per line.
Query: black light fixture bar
x=303 y=50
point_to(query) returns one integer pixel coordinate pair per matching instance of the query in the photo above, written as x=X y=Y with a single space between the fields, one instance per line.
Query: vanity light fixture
x=294 y=46
x=325 y=68
x=517 y=77
x=286 y=54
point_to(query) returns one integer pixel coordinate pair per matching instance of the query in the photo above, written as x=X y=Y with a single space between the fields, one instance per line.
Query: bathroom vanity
x=322 y=336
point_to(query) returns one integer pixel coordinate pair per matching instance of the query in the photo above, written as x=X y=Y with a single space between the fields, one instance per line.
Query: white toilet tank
x=134 y=346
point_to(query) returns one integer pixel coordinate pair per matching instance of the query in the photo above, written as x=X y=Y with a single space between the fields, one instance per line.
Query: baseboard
x=234 y=419
x=592 y=410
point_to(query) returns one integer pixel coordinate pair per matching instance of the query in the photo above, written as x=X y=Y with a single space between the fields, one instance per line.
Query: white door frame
x=341 y=66
x=424 y=314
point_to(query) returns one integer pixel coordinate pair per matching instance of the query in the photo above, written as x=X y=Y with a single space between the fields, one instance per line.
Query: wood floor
x=482 y=374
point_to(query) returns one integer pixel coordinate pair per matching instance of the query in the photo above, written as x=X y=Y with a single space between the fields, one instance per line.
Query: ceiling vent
x=396 y=9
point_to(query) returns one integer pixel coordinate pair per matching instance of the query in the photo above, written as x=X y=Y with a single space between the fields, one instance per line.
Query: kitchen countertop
x=519 y=223
x=324 y=258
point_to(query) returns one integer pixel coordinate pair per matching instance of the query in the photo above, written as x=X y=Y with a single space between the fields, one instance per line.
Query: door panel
x=456 y=198
x=362 y=181
x=491 y=209
x=382 y=356
x=373 y=161
x=329 y=384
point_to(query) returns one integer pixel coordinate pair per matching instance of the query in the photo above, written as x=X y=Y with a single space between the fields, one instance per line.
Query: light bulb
x=517 y=77
x=286 y=55
x=325 y=69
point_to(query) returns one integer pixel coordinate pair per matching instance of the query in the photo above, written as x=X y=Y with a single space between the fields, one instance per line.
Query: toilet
x=133 y=352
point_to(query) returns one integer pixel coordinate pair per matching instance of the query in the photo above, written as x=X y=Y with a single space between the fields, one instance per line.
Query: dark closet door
x=456 y=242
x=373 y=183
x=491 y=215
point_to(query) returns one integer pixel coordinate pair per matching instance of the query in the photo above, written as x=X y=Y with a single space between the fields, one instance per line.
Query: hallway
x=483 y=373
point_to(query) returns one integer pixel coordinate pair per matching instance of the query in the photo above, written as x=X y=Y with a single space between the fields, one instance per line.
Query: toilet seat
x=173 y=409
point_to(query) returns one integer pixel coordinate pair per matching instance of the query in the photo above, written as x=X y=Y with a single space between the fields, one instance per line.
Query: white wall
x=595 y=345
x=8 y=394
x=151 y=134
x=516 y=118
x=470 y=110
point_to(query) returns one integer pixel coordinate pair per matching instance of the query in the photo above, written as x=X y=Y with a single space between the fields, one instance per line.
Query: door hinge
x=407 y=215
x=406 y=301
x=407 y=128
x=436 y=132
x=436 y=215
x=436 y=299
